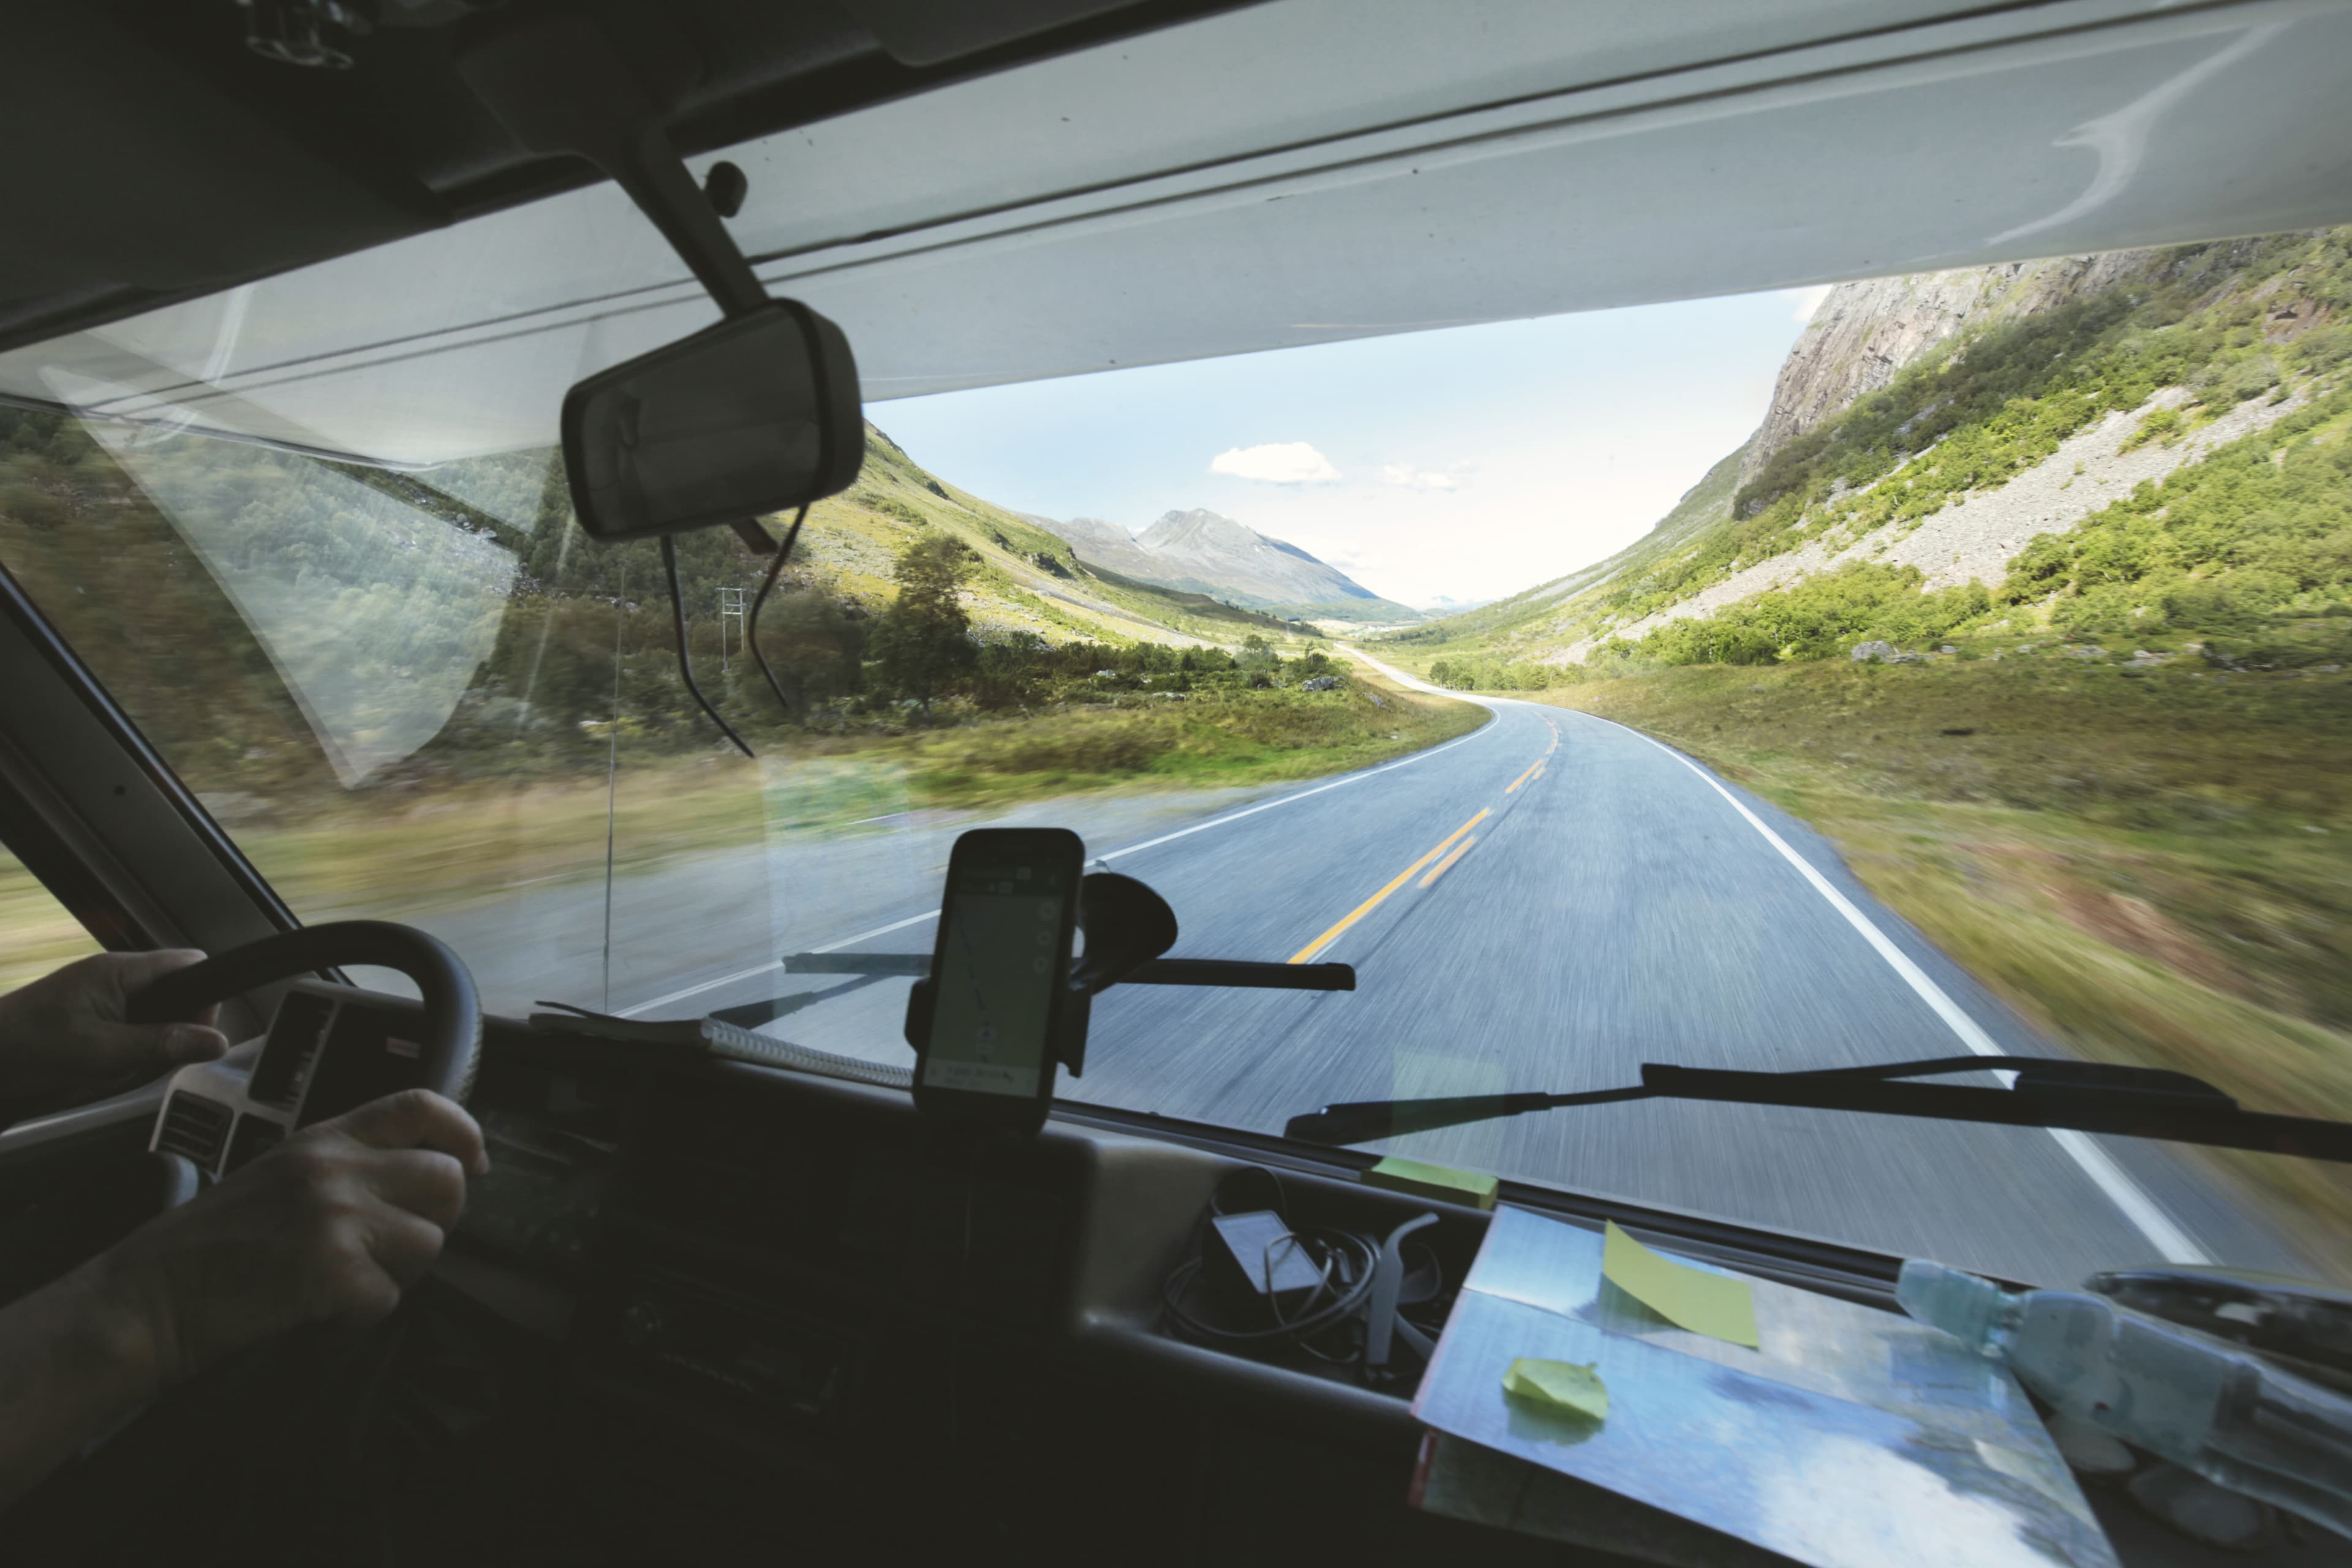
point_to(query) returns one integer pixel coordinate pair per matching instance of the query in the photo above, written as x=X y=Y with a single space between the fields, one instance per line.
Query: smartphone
x=1000 y=973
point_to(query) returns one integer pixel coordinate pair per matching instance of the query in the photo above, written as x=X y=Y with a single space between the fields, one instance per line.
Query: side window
x=37 y=934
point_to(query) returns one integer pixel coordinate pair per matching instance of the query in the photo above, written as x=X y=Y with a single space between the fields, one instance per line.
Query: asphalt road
x=1545 y=903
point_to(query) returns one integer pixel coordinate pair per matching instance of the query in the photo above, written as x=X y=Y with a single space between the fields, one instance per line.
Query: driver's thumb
x=185 y=1043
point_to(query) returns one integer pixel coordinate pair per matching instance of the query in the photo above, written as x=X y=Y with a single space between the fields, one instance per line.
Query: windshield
x=1987 y=697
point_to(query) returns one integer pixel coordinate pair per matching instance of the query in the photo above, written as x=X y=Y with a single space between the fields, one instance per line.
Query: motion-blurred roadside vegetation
x=2116 y=785
x=2123 y=798
x=393 y=690
x=2153 y=863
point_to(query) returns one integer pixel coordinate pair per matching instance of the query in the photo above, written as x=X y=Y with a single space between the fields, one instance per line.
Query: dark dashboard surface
x=702 y=1310
x=729 y=1277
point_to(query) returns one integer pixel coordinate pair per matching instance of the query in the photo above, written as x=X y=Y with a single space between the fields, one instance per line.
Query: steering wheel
x=319 y=1058
x=260 y=1417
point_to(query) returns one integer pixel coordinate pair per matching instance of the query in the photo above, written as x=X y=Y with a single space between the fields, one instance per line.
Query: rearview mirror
x=756 y=415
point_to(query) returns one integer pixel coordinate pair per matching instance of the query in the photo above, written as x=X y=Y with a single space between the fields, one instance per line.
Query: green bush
x=1490 y=675
x=1821 y=618
x=2164 y=424
x=2296 y=644
x=2259 y=532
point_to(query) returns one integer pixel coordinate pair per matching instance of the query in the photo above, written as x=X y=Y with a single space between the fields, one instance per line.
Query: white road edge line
x=2126 y=1193
x=1286 y=800
x=778 y=963
x=1109 y=854
x=698 y=990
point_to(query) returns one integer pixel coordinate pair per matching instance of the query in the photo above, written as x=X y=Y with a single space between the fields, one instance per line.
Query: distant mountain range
x=1199 y=552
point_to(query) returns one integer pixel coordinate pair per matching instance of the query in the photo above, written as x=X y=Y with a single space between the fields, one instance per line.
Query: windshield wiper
x=2088 y=1097
x=1247 y=974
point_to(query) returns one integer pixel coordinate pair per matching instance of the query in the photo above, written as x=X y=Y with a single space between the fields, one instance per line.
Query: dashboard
x=701 y=1309
x=713 y=1281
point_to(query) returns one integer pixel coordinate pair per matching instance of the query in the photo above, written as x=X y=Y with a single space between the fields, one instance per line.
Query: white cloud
x=1278 y=463
x=1414 y=478
x=1808 y=301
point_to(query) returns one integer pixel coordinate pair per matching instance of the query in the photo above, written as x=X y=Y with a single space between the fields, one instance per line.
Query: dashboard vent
x=195 y=1127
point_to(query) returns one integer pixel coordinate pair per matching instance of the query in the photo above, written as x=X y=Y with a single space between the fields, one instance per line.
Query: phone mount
x=1126 y=925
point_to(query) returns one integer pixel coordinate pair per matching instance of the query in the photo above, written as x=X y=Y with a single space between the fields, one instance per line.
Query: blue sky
x=1468 y=463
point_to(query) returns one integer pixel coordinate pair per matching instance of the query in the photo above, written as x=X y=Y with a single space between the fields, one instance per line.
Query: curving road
x=1545 y=903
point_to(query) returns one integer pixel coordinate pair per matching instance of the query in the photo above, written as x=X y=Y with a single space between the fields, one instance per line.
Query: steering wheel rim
x=324 y=1367
x=453 y=1009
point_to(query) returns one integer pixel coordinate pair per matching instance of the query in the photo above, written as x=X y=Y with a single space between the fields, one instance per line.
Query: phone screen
x=1003 y=950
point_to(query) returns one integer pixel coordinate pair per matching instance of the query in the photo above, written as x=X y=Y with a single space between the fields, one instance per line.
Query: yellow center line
x=1524 y=777
x=1369 y=905
x=1447 y=864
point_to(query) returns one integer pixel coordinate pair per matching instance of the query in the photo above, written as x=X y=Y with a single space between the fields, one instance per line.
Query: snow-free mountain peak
x=1202 y=552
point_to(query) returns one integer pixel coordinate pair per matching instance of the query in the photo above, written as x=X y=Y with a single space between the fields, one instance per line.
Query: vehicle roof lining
x=198 y=165
x=1194 y=193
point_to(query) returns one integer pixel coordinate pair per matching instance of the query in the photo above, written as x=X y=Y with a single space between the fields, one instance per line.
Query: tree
x=1006 y=675
x=923 y=641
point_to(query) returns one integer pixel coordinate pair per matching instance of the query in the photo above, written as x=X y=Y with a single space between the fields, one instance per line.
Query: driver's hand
x=330 y=1226
x=63 y=1040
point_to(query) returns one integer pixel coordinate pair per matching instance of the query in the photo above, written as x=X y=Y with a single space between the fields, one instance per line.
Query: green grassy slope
x=2231 y=321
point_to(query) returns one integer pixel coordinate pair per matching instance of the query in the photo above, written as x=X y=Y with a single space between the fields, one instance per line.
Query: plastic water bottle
x=2210 y=1406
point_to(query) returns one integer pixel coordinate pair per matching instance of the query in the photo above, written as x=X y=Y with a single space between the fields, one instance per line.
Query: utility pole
x=730 y=608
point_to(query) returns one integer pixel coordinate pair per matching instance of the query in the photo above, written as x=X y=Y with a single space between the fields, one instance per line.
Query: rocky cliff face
x=1865 y=332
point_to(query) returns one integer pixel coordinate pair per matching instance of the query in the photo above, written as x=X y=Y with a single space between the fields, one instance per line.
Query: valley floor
x=2154 y=864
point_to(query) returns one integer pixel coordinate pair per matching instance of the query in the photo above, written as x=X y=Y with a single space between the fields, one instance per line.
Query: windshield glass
x=1987 y=697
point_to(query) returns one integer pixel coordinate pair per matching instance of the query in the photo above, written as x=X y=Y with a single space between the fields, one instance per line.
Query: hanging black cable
x=685 y=664
x=751 y=621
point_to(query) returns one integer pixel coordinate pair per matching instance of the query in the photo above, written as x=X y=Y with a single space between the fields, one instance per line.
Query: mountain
x=1200 y=552
x=1865 y=333
x=1030 y=579
x=1107 y=546
x=1939 y=441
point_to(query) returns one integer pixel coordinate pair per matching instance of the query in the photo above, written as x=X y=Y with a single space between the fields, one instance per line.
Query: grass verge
x=1206 y=740
x=461 y=842
x=37 y=934
x=2153 y=866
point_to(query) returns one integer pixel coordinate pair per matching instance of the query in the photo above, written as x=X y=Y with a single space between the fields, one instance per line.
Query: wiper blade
x=1248 y=973
x=2088 y=1097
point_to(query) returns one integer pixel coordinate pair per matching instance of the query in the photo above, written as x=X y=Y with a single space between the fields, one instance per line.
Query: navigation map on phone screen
x=996 y=976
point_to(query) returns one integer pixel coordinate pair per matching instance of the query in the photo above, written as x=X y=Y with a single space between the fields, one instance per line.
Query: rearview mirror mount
x=758 y=414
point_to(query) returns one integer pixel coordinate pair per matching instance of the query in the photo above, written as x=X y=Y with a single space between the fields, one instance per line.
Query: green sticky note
x=1712 y=1304
x=1561 y=1384
x=1433 y=1182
